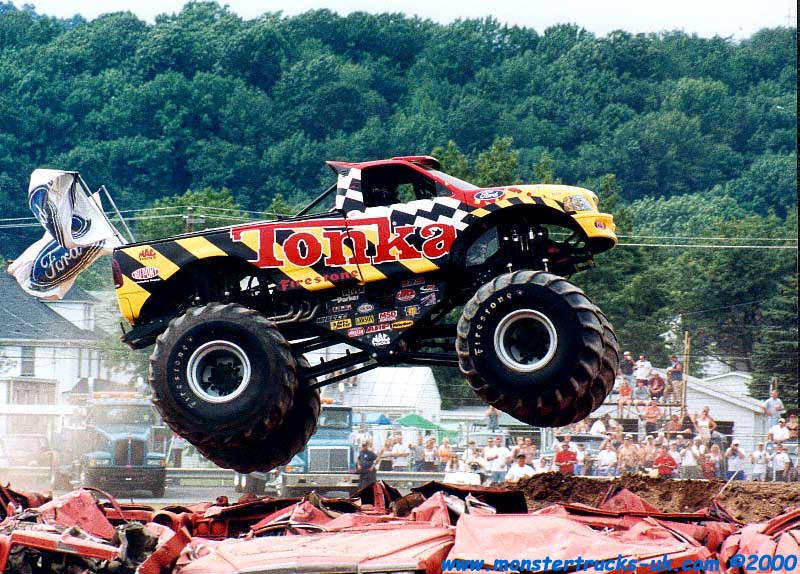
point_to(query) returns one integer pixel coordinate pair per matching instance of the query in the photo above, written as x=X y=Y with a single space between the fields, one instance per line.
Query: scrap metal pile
x=377 y=530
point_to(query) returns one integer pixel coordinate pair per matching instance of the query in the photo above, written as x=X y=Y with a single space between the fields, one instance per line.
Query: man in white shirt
x=735 y=457
x=599 y=426
x=519 y=470
x=781 y=462
x=643 y=369
x=780 y=432
x=606 y=464
x=690 y=462
x=759 y=458
x=497 y=458
x=400 y=455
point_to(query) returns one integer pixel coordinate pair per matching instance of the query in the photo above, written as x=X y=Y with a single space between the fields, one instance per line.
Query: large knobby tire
x=266 y=451
x=531 y=344
x=222 y=376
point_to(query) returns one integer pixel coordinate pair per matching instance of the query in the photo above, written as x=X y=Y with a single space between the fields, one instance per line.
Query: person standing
x=445 y=453
x=782 y=463
x=365 y=465
x=774 y=408
x=652 y=415
x=780 y=432
x=498 y=457
x=400 y=455
x=759 y=459
x=643 y=369
x=675 y=379
x=565 y=459
x=705 y=424
x=492 y=416
x=792 y=425
x=665 y=463
x=628 y=457
x=385 y=455
x=735 y=458
x=626 y=366
x=430 y=456
x=690 y=462
x=606 y=463
x=418 y=454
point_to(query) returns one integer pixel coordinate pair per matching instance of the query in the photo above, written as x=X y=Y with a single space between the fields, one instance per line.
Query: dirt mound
x=747 y=501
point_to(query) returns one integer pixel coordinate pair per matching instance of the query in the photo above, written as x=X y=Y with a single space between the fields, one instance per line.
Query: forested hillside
x=687 y=140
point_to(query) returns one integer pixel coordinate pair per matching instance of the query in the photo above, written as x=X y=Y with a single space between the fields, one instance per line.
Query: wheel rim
x=218 y=371
x=525 y=340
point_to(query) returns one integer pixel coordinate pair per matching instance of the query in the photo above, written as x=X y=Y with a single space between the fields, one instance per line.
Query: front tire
x=531 y=344
x=223 y=378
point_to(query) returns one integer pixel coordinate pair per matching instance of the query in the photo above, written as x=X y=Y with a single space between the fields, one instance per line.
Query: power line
x=699 y=246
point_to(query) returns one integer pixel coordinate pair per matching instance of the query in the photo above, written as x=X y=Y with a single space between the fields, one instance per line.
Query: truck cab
x=117 y=447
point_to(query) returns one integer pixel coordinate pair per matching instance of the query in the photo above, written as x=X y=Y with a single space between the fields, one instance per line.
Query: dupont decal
x=381 y=340
x=402 y=324
x=306 y=243
x=405 y=295
x=146 y=254
x=489 y=194
x=355 y=332
x=145 y=273
x=385 y=316
x=341 y=324
x=378 y=327
x=365 y=308
x=411 y=310
x=365 y=320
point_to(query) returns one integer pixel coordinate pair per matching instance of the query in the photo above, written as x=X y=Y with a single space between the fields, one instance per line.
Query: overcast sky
x=737 y=18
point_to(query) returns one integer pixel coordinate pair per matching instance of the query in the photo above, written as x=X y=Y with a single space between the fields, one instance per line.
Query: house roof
x=26 y=318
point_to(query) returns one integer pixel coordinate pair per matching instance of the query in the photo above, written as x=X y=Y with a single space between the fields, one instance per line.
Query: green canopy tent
x=416 y=421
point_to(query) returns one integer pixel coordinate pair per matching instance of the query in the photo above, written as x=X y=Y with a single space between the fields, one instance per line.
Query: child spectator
x=625 y=397
x=641 y=394
x=657 y=386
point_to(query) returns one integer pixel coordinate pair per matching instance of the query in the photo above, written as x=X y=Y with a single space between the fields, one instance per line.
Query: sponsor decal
x=288 y=284
x=145 y=273
x=402 y=324
x=405 y=295
x=147 y=253
x=365 y=320
x=365 y=308
x=428 y=288
x=428 y=300
x=385 y=316
x=381 y=340
x=323 y=240
x=378 y=327
x=489 y=194
x=355 y=332
x=412 y=282
x=341 y=308
x=54 y=264
x=411 y=310
x=322 y=320
x=341 y=324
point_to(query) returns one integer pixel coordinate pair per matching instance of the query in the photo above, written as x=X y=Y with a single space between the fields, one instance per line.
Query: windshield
x=459 y=183
x=122 y=415
x=335 y=419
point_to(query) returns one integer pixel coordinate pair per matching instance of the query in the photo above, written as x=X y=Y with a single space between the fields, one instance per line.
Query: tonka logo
x=147 y=253
x=369 y=241
x=144 y=273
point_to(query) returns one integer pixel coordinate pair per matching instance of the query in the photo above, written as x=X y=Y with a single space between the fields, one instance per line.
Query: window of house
x=28 y=366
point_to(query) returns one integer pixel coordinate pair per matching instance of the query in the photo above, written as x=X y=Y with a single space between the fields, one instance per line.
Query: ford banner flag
x=77 y=232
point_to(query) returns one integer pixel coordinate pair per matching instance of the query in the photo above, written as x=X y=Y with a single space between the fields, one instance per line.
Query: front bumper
x=130 y=478
x=599 y=229
x=321 y=481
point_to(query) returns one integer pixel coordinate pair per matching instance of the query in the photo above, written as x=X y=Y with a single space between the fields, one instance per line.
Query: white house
x=46 y=347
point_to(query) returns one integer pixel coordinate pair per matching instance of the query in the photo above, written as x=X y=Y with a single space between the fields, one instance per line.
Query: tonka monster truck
x=233 y=310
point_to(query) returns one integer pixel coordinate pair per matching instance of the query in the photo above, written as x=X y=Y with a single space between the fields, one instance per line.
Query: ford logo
x=55 y=264
x=489 y=194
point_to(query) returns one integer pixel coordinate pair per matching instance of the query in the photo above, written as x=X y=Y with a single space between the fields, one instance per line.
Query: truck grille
x=129 y=452
x=329 y=459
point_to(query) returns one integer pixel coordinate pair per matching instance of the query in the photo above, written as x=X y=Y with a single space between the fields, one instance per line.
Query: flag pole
x=113 y=205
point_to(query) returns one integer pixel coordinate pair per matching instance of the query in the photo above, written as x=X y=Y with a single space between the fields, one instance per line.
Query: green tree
x=497 y=165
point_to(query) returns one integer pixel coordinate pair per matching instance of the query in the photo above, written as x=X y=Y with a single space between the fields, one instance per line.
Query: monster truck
x=233 y=310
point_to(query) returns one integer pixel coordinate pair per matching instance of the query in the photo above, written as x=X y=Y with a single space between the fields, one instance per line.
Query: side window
x=388 y=184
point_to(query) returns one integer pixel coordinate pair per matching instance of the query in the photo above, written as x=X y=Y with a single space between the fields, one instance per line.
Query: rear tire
x=531 y=344
x=223 y=378
x=277 y=447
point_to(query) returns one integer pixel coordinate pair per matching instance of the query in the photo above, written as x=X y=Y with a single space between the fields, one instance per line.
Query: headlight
x=99 y=462
x=292 y=468
x=577 y=203
x=156 y=462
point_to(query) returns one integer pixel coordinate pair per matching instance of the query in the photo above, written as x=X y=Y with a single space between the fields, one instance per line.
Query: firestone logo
x=310 y=240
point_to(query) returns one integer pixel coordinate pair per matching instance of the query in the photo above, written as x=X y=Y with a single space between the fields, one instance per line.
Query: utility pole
x=191 y=219
x=687 y=350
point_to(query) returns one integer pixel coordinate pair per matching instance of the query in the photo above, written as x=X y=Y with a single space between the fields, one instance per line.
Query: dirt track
x=747 y=501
